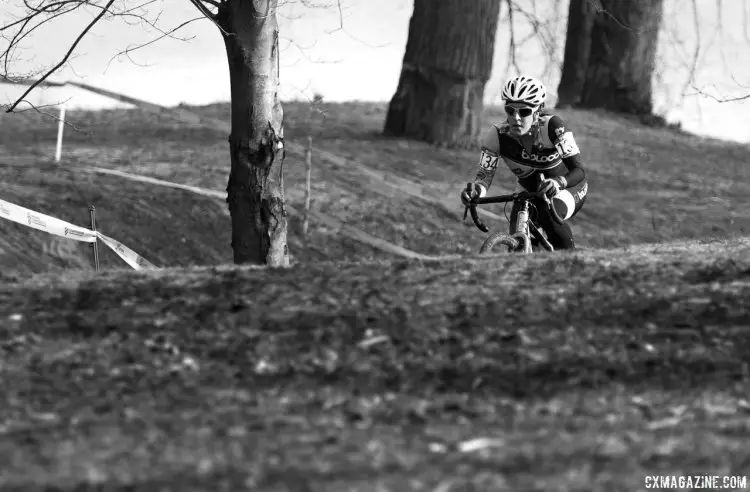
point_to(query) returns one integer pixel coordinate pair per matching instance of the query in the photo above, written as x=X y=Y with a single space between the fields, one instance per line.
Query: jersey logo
x=539 y=158
x=559 y=131
x=583 y=191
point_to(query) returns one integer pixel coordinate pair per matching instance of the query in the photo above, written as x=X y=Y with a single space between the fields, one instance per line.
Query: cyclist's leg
x=567 y=203
x=560 y=236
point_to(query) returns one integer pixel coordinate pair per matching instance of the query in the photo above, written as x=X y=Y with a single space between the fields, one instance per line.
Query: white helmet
x=526 y=90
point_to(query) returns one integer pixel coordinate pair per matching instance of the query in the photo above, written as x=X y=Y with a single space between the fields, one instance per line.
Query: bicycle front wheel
x=505 y=243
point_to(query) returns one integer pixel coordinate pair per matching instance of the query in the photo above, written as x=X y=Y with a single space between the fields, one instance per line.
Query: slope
x=647 y=185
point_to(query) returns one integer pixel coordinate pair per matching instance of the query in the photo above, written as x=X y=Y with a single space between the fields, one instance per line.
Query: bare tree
x=680 y=50
x=622 y=57
x=447 y=63
x=719 y=29
x=256 y=183
x=581 y=15
x=255 y=192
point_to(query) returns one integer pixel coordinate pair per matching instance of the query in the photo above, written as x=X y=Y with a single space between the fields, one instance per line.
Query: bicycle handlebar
x=521 y=195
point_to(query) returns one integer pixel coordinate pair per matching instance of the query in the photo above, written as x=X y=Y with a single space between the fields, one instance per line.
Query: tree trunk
x=255 y=192
x=623 y=56
x=581 y=15
x=447 y=63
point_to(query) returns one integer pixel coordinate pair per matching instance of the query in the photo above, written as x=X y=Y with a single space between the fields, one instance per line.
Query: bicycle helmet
x=527 y=90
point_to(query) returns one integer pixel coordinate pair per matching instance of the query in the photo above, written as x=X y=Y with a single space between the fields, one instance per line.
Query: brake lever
x=475 y=218
x=472 y=207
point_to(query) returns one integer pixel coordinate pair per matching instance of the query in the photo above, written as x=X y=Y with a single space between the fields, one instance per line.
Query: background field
x=646 y=185
x=357 y=370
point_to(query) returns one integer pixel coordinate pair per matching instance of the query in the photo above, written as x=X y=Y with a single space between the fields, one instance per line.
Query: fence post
x=60 y=126
x=95 y=244
x=308 y=162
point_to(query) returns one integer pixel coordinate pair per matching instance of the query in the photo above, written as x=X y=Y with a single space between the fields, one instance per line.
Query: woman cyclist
x=531 y=142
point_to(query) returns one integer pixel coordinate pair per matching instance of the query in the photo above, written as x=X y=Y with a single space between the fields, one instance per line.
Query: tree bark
x=624 y=39
x=581 y=15
x=448 y=61
x=255 y=192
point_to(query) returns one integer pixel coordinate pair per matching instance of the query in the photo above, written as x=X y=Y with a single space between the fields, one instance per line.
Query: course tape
x=45 y=223
x=130 y=257
x=58 y=227
x=344 y=229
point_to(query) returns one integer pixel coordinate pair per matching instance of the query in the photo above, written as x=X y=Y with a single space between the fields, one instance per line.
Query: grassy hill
x=646 y=185
x=585 y=370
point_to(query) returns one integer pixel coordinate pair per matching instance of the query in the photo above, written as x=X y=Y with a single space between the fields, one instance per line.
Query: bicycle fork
x=525 y=229
x=522 y=227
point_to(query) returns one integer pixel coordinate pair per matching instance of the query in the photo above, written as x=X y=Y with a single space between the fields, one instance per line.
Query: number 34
x=488 y=161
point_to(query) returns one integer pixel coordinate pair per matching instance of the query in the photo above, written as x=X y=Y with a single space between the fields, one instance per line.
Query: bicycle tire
x=496 y=238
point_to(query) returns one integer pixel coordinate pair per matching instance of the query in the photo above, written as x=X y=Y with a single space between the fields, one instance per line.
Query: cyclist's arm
x=488 y=160
x=566 y=145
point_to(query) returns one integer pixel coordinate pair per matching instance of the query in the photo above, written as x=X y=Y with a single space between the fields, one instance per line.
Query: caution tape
x=52 y=225
x=132 y=258
x=45 y=223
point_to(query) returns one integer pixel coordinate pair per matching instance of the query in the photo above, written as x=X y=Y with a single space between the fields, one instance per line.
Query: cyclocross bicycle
x=528 y=233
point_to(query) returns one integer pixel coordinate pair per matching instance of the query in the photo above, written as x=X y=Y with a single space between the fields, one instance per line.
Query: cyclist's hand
x=467 y=195
x=551 y=186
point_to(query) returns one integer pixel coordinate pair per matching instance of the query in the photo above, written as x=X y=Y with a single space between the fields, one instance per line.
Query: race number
x=488 y=160
x=566 y=145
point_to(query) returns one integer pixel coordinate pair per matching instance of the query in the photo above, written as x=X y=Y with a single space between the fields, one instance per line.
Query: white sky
x=363 y=61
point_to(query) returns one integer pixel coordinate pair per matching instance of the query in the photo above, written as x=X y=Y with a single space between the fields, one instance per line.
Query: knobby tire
x=498 y=238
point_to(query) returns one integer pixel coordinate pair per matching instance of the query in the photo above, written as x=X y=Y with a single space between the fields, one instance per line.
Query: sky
x=355 y=53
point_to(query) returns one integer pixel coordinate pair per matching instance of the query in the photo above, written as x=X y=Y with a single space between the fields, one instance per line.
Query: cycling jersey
x=554 y=152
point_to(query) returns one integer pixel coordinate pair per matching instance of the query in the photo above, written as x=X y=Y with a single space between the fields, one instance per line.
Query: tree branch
x=699 y=92
x=23 y=32
x=341 y=25
x=67 y=55
x=209 y=15
x=540 y=30
x=164 y=34
x=303 y=49
x=696 y=52
x=512 y=61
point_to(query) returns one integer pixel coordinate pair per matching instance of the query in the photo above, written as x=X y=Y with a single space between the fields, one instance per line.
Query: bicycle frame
x=525 y=228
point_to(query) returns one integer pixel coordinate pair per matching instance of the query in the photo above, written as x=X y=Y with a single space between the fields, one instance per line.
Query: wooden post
x=308 y=162
x=95 y=244
x=60 y=126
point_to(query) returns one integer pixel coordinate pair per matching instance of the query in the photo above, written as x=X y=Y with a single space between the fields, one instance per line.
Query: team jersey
x=554 y=152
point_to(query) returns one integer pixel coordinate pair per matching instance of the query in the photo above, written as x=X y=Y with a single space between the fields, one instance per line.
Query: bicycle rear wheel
x=507 y=244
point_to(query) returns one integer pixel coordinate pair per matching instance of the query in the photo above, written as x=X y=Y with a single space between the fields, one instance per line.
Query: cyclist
x=532 y=142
